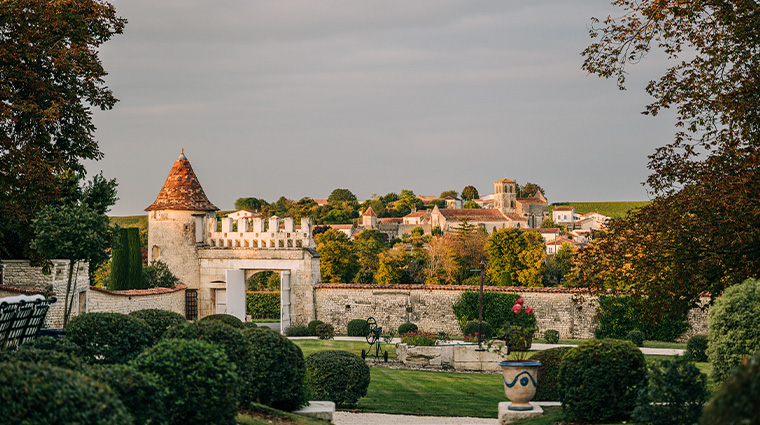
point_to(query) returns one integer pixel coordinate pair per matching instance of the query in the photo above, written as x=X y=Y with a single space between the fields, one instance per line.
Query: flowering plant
x=422 y=338
x=517 y=338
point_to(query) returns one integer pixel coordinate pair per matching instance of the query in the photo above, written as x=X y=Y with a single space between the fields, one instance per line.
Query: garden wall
x=102 y=300
x=568 y=311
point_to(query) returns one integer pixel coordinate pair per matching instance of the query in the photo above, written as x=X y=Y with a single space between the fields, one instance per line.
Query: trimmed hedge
x=313 y=327
x=227 y=319
x=406 y=328
x=619 y=315
x=325 y=331
x=159 y=320
x=199 y=381
x=736 y=401
x=675 y=394
x=734 y=323
x=29 y=354
x=337 y=376
x=263 y=305
x=551 y=336
x=600 y=379
x=548 y=373
x=497 y=310
x=38 y=393
x=140 y=392
x=297 y=329
x=108 y=338
x=471 y=328
x=696 y=348
x=278 y=369
x=636 y=337
x=357 y=327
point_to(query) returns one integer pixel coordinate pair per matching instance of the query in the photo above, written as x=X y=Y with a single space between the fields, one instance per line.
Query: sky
x=296 y=98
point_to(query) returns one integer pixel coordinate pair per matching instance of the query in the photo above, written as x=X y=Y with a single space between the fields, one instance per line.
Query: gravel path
x=347 y=418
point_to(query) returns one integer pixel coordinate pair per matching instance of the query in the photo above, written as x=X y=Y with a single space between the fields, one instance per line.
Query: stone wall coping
x=27 y=291
x=453 y=288
x=141 y=292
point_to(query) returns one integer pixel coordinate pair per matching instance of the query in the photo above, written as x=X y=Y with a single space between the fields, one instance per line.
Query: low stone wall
x=463 y=357
x=568 y=311
x=102 y=300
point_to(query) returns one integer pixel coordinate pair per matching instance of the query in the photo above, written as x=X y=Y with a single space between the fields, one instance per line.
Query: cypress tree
x=120 y=261
x=135 y=277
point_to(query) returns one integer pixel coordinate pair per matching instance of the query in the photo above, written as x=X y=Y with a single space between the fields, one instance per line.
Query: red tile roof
x=182 y=190
x=505 y=181
x=419 y=213
x=531 y=201
x=369 y=212
x=390 y=220
x=515 y=217
x=473 y=214
x=563 y=208
x=548 y=230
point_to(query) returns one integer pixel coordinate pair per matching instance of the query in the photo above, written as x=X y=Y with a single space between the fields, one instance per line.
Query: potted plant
x=518 y=371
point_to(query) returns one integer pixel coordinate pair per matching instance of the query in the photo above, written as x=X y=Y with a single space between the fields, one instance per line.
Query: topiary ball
x=471 y=328
x=108 y=338
x=224 y=318
x=548 y=373
x=200 y=382
x=277 y=371
x=38 y=393
x=736 y=401
x=600 y=379
x=636 y=337
x=30 y=354
x=696 y=348
x=140 y=392
x=551 y=336
x=325 y=331
x=357 y=327
x=406 y=328
x=313 y=327
x=337 y=376
x=158 y=320
x=297 y=329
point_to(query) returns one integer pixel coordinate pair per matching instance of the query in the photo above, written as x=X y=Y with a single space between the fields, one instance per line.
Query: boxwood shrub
x=224 y=318
x=30 y=354
x=337 y=376
x=109 y=338
x=696 y=348
x=636 y=337
x=357 y=327
x=263 y=305
x=551 y=336
x=471 y=328
x=497 y=310
x=406 y=328
x=325 y=331
x=734 y=323
x=38 y=393
x=548 y=373
x=313 y=327
x=140 y=392
x=600 y=379
x=621 y=314
x=199 y=381
x=736 y=401
x=277 y=370
x=297 y=329
x=158 y=320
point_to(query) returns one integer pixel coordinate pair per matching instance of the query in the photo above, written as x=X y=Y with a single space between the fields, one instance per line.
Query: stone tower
x=369 y=219
x=505 y=195
x=177 y=222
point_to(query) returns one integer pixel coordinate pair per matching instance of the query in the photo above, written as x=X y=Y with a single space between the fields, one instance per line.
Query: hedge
x=619 y=315
x=497 y=310
x=263 y=305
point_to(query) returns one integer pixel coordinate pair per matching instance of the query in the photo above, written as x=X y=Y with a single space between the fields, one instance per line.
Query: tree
x=471 y=205
x=369 y=244
x=515 y=257
x=529 y=190
x=548 y=223
x=560 y=264
x=338 y=196
x=699 y=233
x=470 y=192
x=50 y=76
x=408 y=202
x=392 y=267
x=447 y=193
x=338 y=263
x=249 y=204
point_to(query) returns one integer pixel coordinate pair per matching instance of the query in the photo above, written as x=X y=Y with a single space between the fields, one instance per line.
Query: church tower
x=177 y=222
x=505 y=195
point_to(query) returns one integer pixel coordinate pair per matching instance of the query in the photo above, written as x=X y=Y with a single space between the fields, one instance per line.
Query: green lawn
x=610 y=209
x=309 y=346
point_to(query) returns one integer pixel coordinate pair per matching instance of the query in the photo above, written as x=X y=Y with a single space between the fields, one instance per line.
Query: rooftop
x=182 y=190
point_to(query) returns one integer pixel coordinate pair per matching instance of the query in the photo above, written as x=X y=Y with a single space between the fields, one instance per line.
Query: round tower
x=177 y=222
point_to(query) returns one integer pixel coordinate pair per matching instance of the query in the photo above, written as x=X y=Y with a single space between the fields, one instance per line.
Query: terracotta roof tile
x=182 y=190
x=531 y=201
x=563 y=208
x=369 y=212
x=419 y=213
x=505 y=181
x=474 y=214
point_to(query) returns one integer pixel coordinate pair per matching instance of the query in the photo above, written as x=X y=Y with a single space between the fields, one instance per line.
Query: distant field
x=140 y=221
x=610 y=209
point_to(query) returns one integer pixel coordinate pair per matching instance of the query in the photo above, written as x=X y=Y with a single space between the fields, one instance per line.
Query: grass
x=309 y=346
x=140 y=221
x=610 y=209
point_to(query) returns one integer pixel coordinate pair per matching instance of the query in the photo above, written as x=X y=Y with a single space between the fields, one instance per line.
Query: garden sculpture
x=373 y=339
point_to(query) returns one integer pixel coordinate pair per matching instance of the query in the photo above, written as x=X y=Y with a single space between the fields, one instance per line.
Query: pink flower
x=516 y=308
x=529 y=310
x=520 y=301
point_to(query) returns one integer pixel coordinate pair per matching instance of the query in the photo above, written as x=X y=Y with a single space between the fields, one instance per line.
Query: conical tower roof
x=182 y=190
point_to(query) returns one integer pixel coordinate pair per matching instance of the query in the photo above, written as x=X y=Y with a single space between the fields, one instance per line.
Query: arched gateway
x=215 y=259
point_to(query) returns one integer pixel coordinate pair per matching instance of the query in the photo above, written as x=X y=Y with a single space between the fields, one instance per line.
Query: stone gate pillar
x=285 y=309
x=236 y=293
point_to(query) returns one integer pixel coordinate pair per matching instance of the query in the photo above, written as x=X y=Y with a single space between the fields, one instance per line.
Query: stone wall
x=430 y=307
x=101 y=300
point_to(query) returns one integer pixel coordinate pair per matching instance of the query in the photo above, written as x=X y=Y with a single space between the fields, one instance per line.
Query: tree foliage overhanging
x=702 y=230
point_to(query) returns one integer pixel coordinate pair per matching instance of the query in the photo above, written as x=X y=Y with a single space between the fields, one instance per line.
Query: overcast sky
x=297 y=98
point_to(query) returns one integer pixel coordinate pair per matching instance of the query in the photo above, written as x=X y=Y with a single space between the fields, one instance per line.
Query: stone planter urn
x=520 y=382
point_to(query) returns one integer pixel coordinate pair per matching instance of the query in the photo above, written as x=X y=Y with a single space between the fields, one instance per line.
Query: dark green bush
x=337 y=376
x=619 y=315
x=734 y=323
x=600 y=379
x=227 y=319
x=518 y=338
x=119 y=279
x=313 y=327
x=674 y=395
x=199 y=381
x=325 y=331
x=277 y=371
x=231 y=340
x=109 y=338
x=158 y=320
x=636 y=337
x=471 y=328
x=158 y=275
x=249 y=325
x=357 y=327
x=62 y=345
x=406 y=328
x=696 y=348
x=141 y=393
x=263 y=305
x=497 y=310
x=297 y=329
x=36 y=393
x=736 y=401
x=28 y=353
x=551 y=336
x=548 y=373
